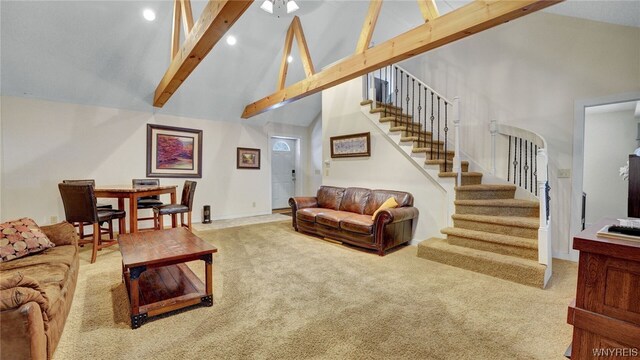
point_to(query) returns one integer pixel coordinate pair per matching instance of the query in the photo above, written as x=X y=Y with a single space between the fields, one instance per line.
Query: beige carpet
x=283 y=295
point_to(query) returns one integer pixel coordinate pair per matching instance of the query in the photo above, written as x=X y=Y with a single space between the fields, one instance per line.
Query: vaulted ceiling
x=104 y=53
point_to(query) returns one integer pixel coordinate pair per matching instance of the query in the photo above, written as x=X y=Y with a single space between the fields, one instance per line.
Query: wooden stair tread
x=516 y=221
x=441 y=161
x=424 y=142
x=435 y=151
x=499 y=203
x=366 y=102
x=406 y=127
x=485 y=187
x=500 y=239
x=464 y=174
x=381 y=104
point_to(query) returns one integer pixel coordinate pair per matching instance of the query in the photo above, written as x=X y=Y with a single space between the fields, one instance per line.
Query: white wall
x=45 y=142
x=609 y=138
x=387 y=168
x=315 y=153
x=529 y=73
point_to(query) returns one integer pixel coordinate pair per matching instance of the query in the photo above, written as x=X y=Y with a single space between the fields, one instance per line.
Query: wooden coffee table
x=157 y=278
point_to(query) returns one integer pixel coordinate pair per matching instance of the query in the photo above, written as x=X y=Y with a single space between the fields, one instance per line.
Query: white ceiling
x=104 y=53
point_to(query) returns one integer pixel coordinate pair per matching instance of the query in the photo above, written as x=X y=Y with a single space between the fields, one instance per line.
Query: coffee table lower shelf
x=163 y=289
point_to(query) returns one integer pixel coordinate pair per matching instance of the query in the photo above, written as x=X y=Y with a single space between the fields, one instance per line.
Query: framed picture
x=174 y=152
x=248 y=158
x=351 y=145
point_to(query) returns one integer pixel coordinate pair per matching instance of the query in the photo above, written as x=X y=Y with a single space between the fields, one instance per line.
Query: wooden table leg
x=207 y=300
x=174 y=217
x=137 y=319
x=133 y=213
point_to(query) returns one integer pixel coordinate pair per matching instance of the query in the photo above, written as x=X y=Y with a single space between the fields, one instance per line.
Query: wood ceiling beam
x=216 y=19
x=295 y=30
x=302 y=47
x=284 y=64
x=470 y=19
x=187 y=16
x=368 y=26
x=175 y=29
x=429 y=9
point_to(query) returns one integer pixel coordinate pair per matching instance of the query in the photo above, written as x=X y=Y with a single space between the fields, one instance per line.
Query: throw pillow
x=390 y=203
x=21 y=237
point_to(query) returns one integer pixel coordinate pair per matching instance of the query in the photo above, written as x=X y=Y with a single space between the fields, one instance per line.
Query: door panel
x=283 y=162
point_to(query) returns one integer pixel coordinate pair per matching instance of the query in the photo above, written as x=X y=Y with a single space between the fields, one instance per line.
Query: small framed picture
x=248 y=158
x=352 y=145
x=173 y=152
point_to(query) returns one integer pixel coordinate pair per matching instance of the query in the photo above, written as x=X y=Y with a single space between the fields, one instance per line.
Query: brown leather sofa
x=35 y=296
x=345 y=215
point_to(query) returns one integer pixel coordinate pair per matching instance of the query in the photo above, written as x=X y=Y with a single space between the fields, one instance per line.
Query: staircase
x=492 y=232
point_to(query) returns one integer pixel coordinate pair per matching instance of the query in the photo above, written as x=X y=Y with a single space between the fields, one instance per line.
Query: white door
x=283 y=176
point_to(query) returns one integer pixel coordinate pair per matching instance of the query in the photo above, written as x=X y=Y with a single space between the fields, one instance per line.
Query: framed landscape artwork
x=173 y=152
x=351 y=145
x=248 y=158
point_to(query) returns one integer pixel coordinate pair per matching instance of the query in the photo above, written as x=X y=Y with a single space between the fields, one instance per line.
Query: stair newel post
x=493 y=129
x=457 y=164
x=544 y=239
x=372 y=89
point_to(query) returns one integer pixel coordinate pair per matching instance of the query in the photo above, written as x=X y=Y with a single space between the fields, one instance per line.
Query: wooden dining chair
x=79 y=202
x=147 y=202
x=100 y=206
x=185 y=206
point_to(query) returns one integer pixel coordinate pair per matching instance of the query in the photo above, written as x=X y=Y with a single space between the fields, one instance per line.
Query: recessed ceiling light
x=289 y=58
x=149 y=14
x=231 y=40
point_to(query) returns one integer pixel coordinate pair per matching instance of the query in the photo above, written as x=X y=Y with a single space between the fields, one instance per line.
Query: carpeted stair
x=493 y=233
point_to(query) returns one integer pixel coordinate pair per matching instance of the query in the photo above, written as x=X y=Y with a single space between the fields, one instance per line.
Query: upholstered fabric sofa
x=345 y=214
x=35 y=296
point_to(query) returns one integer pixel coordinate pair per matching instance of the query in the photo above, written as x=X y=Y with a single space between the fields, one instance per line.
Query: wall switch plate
x=564 y=173
x=254 y=204
x=318 y=172
x=53 y=219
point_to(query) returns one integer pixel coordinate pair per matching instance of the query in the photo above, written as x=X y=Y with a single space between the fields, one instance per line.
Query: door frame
x=578 y=158
x=297 y=189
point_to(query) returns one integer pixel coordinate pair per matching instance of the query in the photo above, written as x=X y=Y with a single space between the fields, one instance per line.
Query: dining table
x=122 y=192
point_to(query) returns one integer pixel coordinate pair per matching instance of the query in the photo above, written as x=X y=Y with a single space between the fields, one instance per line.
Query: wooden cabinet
x=606 y=312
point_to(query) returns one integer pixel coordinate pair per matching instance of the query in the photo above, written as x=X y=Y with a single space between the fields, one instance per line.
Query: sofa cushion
x=332 y=218
x=20 y=238
x=355 y=200
x=52 y=272
x=308 y=214
x=358 y=223
x=329 y=197
x=378 y=197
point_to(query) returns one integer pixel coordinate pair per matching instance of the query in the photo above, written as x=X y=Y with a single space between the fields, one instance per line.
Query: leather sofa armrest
x=302 y=202
x=389 y=216
x=22 y=334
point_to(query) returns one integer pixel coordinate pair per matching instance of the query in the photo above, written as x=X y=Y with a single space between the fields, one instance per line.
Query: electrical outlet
x=318 y=172
x=564 y=173
x=53 y=219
